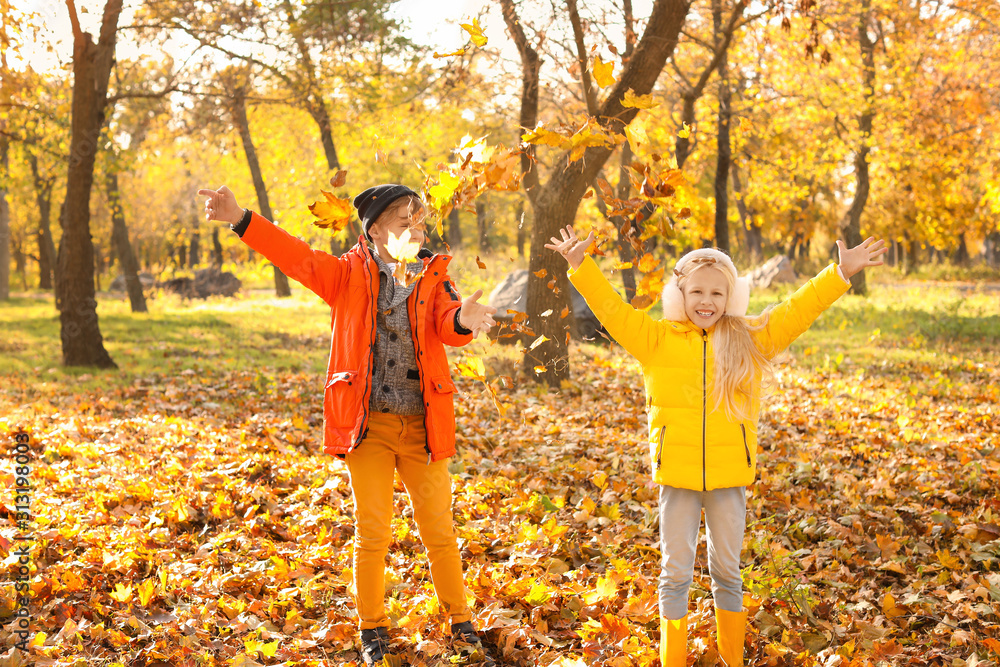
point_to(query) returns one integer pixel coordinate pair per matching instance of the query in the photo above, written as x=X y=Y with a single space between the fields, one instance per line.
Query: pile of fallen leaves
x=193 y=520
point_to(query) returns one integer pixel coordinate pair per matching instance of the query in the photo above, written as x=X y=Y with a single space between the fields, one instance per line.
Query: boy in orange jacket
x=387 y=404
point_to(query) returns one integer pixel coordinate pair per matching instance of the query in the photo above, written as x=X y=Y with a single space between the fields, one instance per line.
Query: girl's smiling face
x=706 y=292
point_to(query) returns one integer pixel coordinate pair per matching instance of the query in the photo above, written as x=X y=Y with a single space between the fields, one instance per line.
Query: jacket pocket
x=443 y=385
x=348 y=377
x=746 y=447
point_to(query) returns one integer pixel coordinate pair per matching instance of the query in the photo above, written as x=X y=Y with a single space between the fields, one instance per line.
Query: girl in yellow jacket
x=703 y=366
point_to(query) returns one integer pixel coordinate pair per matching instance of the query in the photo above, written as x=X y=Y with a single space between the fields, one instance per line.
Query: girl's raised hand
x=570 y=247
x=867 y=253
x=221 y=205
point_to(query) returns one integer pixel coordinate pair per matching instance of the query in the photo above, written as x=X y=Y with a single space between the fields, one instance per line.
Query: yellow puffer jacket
x=691 y=444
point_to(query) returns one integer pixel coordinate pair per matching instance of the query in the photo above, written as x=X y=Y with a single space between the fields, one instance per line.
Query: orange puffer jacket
x=350 y=284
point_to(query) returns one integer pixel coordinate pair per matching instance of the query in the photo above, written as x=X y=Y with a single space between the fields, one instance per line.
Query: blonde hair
x=392 y=210
x=741 y=369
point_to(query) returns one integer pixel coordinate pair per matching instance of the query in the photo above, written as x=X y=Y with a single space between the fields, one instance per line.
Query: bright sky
x=431 y=22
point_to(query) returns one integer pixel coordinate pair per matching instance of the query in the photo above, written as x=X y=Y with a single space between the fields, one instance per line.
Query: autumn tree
x=82 y=342
x=554 y=202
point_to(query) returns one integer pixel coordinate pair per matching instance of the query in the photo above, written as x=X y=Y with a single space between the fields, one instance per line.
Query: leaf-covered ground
x=187 y=517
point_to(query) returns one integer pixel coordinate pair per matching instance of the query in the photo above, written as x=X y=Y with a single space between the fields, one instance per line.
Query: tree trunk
x=216 y=248
x=239 y=109
x=194 y=252
x=182 y=255
x=482 y=226
x=123 y=247
x=46 y=247
x=4 y=224
x=82 y=343
x=851 y=224
x=993 y=248
x=751 y=230
x=724 y=150
x=961 y=256
x=453 y=230
x=522 y=233
x=913 y=257
x=555 y=205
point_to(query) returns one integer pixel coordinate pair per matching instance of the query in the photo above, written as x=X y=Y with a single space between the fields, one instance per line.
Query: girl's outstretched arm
x=790 y=318
x=633 y=329
x=868 y=253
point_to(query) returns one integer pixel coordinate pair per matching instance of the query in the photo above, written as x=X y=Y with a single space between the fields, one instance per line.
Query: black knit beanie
x=374 y=200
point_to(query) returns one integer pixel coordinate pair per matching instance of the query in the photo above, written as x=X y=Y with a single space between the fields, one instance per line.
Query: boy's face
x=396 y=220
x=706 y=292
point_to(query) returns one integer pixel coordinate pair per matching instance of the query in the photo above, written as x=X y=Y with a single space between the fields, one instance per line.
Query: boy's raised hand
x=570 y=247
x=221 y=205
x=476 y=316
x=867 y=253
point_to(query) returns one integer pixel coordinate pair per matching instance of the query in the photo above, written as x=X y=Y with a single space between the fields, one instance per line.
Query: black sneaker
x=465 y=633
x=374 y=645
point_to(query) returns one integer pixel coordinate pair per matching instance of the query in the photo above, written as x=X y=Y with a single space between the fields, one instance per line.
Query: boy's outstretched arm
x=319 y=271
x=790 y=319
x=475 y=316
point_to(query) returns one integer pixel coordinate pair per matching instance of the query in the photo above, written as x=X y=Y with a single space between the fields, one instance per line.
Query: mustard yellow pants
x=396 y=443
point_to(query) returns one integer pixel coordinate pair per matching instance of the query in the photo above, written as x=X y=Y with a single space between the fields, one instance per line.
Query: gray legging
x=680 y=518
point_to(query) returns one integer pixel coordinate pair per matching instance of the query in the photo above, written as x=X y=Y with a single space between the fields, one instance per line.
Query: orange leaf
x=541 y=273
x=333 y=213
x=480 y=263
x=339 y=179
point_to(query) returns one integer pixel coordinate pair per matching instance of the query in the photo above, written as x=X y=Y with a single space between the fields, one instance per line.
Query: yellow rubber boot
x=732 y=627
x=673 y=642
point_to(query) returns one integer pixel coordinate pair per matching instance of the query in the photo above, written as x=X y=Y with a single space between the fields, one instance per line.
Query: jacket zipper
x=365 y=396
x=704 y=408
x=659 y=450
x=746 y=447
x=416 y=355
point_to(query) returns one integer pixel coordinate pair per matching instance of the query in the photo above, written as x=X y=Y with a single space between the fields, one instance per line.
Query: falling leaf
x=458 y=52
x=544 y=137
x=603 y=72
x=538 y=341
x=635 y=132
x=541 y=273
x=475 y=32
x=642 y=301
x=340 y=179
x=539 y=369
x=631 y=100
x=480 y=263
x=546 y=313
x=685 y=131
x=333 y=212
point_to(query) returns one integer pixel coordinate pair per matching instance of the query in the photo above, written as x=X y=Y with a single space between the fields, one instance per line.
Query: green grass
x=936 y=324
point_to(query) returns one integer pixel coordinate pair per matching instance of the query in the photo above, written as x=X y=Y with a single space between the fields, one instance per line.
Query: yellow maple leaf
x=544 y=137
x=442 y=192
x=332 y=211
x=603 y=72
x=459 y=52
x=122 y=593
x=635 y=132
x=638 y=101
x=591 y=134
x=606 y=588
x=146 y=590
x=684 y=132
x=475 y=32
x=401 y=248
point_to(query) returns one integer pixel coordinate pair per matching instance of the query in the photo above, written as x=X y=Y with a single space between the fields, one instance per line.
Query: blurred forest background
x=758 y=127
